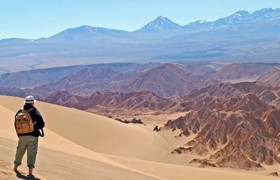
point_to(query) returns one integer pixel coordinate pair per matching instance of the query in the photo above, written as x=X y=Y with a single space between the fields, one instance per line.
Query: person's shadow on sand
x=21 y=176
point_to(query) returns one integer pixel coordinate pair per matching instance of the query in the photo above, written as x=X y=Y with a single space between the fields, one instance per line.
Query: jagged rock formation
x=229 y=140
x=133 y=121
x=112 y=101
x=203 y=163
x=232 y=128
x=225 y=96
x=274 y=174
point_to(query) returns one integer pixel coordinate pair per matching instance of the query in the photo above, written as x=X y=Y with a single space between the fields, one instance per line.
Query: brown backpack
x=23 y=122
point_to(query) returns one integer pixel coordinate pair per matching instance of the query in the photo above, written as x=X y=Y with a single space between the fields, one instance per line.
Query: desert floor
x=82 y=145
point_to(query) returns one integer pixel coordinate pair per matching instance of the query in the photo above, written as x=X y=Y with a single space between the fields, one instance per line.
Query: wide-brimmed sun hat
x=30 y=100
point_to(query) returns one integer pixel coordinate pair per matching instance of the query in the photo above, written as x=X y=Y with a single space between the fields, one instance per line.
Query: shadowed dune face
x=102 y=134
x=59 y=157
x=98 y=133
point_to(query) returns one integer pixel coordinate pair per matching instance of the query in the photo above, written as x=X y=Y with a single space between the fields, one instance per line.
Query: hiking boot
x=30 y=176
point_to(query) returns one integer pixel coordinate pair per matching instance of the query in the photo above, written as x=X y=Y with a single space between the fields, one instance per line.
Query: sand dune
x=81 y=145
x=58 y=157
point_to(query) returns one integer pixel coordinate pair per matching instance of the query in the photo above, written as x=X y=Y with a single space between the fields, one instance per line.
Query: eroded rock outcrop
x=237 y=132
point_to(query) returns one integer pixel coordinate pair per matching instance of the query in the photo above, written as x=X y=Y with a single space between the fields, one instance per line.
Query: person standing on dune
x=29 y=126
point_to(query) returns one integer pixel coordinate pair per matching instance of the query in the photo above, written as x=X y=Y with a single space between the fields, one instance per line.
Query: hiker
x=28 y=135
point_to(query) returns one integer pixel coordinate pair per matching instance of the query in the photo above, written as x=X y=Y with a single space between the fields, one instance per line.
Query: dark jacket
x=36 y=117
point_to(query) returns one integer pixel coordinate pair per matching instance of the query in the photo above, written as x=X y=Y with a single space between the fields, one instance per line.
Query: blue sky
x=43 y=18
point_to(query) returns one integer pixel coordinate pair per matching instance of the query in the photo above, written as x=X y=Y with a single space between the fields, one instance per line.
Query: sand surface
x=81 y=145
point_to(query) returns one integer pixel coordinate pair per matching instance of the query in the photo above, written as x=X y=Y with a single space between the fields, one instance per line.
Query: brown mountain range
x=240 y=72
x=84 y=82
x=167 y=81
x=112 y=102
x=270 y=78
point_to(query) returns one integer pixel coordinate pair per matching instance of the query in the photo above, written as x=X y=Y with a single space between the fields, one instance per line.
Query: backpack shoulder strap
x=30 y=109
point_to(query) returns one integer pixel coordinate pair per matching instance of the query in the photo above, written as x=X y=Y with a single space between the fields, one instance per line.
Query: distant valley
x=168 y=80
x=240 y=37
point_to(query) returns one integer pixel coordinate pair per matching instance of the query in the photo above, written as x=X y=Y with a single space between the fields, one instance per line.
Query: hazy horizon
x=32 y=19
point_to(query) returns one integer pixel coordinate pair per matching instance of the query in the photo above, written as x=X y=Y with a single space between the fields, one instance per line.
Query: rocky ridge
x=233 y=128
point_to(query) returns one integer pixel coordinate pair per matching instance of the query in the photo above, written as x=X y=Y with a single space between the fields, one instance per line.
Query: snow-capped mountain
x=266 y=14
x=240 y=18
x=244 y=17
x=197 y=25
x=236 y=18
x=161 y=24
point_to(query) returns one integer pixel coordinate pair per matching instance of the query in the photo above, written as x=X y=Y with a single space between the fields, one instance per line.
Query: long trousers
x=29 y=144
